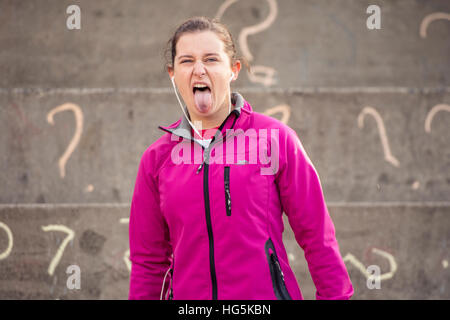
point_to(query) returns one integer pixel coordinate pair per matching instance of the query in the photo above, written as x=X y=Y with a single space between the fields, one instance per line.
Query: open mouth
x=200 y=88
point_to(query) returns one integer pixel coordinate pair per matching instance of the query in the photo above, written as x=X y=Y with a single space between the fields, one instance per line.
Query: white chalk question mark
x=268 y=73
x=60 y=251
x=5 y=254
x=360 y=266
x=126 y=255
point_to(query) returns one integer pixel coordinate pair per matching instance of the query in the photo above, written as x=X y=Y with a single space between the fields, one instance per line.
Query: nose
x=199 y=69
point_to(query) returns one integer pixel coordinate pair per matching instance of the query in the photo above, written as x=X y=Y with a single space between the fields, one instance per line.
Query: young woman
x=206 y=213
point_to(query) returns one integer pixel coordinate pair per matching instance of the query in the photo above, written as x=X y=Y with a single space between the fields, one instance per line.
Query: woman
x=206 y=216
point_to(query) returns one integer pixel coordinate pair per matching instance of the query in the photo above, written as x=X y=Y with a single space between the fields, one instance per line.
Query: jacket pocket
x=226 y=176
x=276 y=273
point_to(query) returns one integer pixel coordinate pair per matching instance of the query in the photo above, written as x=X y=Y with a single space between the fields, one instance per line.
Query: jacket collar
x=182 y=127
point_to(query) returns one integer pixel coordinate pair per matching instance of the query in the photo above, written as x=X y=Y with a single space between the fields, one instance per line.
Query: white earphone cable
x=164 y=283
x=182 y=108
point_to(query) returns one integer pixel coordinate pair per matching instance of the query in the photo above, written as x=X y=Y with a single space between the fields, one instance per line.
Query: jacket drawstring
x=164 y=282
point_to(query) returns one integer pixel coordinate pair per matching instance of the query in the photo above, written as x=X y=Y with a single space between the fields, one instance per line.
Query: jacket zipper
x=226 y=175
x=199 y=167
x=224 y=139
x=205 y=165
x=208 y=209
x=210 y=232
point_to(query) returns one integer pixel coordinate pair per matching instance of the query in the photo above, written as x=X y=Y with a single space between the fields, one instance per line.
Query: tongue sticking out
x=202 y=100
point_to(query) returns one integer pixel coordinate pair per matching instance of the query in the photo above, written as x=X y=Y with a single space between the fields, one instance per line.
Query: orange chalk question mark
x=430 y=18
x=382 y=131
x=432 y=113
x=284 y=109
x=76 y=137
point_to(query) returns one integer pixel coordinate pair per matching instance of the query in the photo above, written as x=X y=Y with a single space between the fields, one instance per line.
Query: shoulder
x=282 y=136
x=158 y=152
x=263 y=121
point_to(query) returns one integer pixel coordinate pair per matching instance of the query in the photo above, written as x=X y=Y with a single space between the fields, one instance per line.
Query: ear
x=170 y=71
x=236 y=68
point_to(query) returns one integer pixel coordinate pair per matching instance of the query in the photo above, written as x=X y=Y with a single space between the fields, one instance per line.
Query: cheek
x=221 y=89
x=221 y=84
x=184 y=84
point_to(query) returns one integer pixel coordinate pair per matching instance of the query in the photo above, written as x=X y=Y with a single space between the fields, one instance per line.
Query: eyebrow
x=206 y=54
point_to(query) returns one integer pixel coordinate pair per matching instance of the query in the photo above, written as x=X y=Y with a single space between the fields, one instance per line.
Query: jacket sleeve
x=150 y=248
x=304 y=204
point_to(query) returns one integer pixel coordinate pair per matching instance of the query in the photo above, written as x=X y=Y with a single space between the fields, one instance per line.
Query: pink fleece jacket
x=207 y=223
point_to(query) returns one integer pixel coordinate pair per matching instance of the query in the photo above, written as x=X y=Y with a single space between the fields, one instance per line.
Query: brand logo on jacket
x=260 y=147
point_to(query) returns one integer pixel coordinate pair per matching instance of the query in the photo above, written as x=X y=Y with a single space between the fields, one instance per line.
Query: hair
x=197 y=24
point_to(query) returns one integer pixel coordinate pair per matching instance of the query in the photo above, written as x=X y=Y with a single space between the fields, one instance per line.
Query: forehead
x=198 y=43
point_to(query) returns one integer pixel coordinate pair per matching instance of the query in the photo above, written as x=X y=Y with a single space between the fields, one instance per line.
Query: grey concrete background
x=328 y=68
x=414 y=236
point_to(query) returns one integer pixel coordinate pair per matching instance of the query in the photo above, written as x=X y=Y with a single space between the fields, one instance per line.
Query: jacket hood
x=183 y=128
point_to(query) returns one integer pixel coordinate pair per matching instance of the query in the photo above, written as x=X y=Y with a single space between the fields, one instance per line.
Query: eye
x=185 y=61
x=211 y=59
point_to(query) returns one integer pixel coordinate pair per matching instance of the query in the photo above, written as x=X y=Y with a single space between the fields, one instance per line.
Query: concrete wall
x=370 y=106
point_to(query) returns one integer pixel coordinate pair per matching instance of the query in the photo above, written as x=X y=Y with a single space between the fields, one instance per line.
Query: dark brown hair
x=197 y=24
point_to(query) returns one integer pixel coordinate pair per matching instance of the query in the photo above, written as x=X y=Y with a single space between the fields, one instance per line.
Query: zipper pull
x=279 y=268
x=227 y=190
x=199 y=168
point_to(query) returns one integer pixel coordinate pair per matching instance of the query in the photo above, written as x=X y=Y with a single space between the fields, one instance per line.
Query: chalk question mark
x=382 y=131
x=268 y=73
x=284 y=109
x=70 y=235
x=383 y=137
x=430 y=18
x=360 y=266
x=432 y=113
x=76 y=137
x=5 y=254
x=126 y=255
